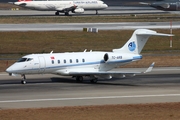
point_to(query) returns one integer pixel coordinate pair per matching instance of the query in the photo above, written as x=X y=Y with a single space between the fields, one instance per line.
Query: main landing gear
x=23 y=81
x=79 y=79
x=94 y=80
x=66 y=13
x=57 y=13
x=96 y=12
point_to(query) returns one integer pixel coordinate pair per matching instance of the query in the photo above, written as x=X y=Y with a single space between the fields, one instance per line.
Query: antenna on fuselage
x=51 y=52
x=85 y=50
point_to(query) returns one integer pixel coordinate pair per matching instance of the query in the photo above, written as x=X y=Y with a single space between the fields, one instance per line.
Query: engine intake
x=106 y=57
x=112 y=57
x=78 y=10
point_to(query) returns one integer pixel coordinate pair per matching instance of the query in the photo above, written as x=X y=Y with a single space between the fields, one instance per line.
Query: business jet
x=63 y=6
x=92 y=64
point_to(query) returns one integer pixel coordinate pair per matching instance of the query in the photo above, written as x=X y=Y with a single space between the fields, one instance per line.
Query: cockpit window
x=29 y=59
x=24 y=59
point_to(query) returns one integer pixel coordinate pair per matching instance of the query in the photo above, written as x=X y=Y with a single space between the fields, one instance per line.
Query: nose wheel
x=23 y=81
x=96 y=12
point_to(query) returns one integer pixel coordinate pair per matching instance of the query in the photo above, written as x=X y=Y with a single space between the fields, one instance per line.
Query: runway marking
x=89 y=98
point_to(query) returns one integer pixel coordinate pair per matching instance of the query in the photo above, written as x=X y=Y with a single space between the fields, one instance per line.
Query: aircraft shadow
x=28 y=81
x=140 y=80
x=87 y=81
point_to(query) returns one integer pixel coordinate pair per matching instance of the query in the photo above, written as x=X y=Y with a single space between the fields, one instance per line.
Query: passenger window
x=58 y=61
x=64 y=61
x=83 y=60
x=77 y=60
x=52 y=61
x=70 y=61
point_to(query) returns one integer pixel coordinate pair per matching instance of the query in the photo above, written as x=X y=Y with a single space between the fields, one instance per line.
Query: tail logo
x=132 y=46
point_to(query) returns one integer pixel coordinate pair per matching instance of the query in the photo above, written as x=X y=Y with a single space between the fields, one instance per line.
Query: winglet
x=144 y=3
x=150 y=68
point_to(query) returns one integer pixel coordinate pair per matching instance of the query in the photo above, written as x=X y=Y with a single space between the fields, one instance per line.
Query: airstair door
x=42 y=64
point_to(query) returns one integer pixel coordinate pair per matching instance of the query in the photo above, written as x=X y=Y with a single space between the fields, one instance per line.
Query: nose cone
x=105 y=5
x=9 y=70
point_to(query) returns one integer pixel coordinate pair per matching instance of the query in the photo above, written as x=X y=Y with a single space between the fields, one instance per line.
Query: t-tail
x=137 y=41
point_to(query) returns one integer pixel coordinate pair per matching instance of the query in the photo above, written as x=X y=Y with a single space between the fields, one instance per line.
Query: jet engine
x=78 y=10
x=112 y=57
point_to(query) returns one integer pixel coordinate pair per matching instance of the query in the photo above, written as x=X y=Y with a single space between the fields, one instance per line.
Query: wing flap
x=149 y=69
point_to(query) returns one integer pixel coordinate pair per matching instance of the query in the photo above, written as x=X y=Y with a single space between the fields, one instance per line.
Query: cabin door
x=42 y=64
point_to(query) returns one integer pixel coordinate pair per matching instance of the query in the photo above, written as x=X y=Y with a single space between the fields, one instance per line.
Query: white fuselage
x=92 y=64
x=64 y=63
x=60 y=5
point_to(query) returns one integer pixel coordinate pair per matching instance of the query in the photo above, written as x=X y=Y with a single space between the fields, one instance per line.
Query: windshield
x=29 y=59
x=24 y=59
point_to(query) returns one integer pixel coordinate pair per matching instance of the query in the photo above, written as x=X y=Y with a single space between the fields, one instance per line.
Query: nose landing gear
x=23 y=81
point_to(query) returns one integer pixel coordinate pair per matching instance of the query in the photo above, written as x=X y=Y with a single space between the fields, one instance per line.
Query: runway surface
x=114 y=10
x=80 y=26
x=53 y=91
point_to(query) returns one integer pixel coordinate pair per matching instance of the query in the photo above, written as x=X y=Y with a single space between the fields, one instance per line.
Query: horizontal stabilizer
x=150 y=68
x=154 y=33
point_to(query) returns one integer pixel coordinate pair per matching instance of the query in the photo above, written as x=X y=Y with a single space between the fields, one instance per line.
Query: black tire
x=23 y=82
x=79 y=78
x=66 y=13
x=56 y=13
x=94 y=80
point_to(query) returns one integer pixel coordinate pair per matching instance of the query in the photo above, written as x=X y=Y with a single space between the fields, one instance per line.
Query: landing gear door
x=42 y=64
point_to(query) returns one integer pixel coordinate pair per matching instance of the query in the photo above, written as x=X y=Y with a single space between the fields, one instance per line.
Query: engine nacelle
x=78 y=10
x=112 y=57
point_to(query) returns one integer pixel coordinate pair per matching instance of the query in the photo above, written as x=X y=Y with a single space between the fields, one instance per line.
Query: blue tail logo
x=132 y=46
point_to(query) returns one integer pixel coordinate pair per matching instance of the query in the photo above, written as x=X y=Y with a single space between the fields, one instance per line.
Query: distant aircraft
x=63 y=6
x=93 y=64
x=166 y=5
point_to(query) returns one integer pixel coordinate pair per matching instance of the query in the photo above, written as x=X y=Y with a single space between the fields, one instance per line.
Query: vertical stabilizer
x=137 y=41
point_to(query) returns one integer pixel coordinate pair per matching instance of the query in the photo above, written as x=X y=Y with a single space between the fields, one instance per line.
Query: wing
x=112 y=72
x=72 y=8
x=66 y=8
